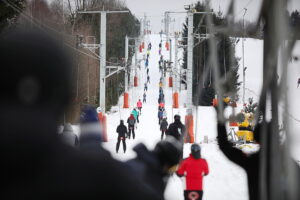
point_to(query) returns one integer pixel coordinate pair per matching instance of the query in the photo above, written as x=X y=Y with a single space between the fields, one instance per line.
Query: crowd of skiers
x=37 y=162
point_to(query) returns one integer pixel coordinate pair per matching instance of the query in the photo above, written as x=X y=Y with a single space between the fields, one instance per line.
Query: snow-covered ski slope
x=226 y=180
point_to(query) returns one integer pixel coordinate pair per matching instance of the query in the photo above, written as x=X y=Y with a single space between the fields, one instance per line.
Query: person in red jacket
x=139 y=105
x=193 y=168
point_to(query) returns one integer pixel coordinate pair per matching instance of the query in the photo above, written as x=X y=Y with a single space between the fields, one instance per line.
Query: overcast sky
x=155 y=9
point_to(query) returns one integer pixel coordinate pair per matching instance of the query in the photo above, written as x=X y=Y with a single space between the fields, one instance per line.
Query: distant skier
x=177 y=129
x=160 y=45
x=145 y=87
x=139 y=105
x=144 y=97
x=160 y=115
x=159 y=51
x=135 y=114
x=163 y=127
x=148 y=71
x=148 y=79
x=193 y=168
x=298 y=82
x=131 y=123
x=122 y=131
x=146 y=63
x=149 y=46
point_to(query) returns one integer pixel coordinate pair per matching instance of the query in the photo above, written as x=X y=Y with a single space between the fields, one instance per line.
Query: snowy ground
x=226 y=180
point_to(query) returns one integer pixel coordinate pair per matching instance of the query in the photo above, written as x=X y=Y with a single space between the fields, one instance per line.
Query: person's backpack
x=131 y=122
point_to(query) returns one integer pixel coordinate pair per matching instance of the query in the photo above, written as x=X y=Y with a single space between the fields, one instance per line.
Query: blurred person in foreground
x=193 y=169
x=68 y=136
x=36 y=163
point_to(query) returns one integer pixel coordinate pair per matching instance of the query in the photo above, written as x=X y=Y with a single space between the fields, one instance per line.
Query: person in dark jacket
x=37 y=165
x=122 y=131
x=68 y=136
x=158 y=164
x=177 y=129
x=131 y=125
x=163 y=127
x=160 y=115
x=193 y=168
x=148 y=79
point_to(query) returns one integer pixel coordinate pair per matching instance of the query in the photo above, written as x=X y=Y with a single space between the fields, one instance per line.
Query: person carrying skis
x=139 y=105
x=131 y=123
x=163 y=127
x=160 y=115
x=144 y=97
x=193 y=168
x=122 y=131
x=177 y=129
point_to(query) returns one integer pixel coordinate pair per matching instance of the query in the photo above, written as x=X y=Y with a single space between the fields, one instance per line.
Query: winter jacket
x=160 y=114
x=139 y=104
x=135 y=114
x=193 y=170
x=131 y=120
x=122 y=130
x=68 y=136
x=177 y=130
x=164 y=125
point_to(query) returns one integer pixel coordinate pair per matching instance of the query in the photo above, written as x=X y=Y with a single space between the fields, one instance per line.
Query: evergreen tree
x=228 y=66
x=8 y=15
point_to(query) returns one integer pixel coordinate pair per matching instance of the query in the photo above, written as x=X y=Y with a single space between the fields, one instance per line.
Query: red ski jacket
x=139 y=104
x=194 y=170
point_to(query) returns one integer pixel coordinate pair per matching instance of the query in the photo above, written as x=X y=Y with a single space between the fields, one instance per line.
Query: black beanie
x=196 y=151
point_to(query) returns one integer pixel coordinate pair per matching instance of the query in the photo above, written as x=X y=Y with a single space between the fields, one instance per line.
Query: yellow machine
x=244 y=121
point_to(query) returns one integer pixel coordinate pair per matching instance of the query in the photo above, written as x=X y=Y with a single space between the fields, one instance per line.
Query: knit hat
x=196 y=151
x=90 y=128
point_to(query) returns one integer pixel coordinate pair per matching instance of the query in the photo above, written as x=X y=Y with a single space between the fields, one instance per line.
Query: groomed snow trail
x=225 y=181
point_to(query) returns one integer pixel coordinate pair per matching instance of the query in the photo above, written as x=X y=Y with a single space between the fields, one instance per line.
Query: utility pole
x=244 y=73
x=102 y=52
x=189 y=73
x=126 y=63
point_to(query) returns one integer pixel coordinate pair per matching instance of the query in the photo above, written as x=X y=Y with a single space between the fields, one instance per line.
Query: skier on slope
x=149 y=46
x=68 y=136
x=163 y=127
x=145 y=87
x=177 y=129
x=193 y=168
x=147 y=71
x=148 y=79
x=146 y=63
x=135 y=114
x=144 y=97
x=122 y=132
x=139 y=105
x=131 y=125
x=160 y=115
x=33 y=157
